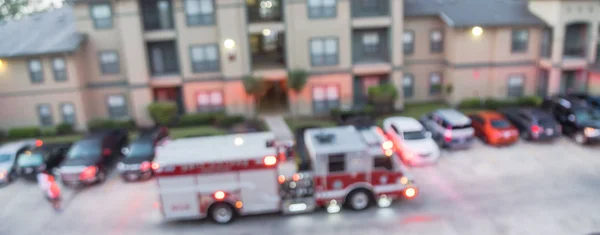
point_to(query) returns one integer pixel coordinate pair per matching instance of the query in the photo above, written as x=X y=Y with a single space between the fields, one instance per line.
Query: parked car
x=9 y=154
x=533 y=123
x=412 y=141
x=139 y=155
x=48 y=156
x=578 y=119
x=493 y=128
x=89 y=160
x=593 y=101
x=449 y=128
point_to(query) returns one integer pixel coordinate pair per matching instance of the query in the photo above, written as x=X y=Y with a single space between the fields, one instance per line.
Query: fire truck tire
x=221 y=213
x=359 y=199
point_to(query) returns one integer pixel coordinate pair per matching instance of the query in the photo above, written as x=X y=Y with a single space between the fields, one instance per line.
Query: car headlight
x=589 y=131
x=3 y=173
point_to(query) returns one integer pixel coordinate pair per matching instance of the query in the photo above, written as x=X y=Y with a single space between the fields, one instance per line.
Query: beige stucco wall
x=97 y=101
x=422 y=27
x=301 y=104
x=421 y=74
x=14 y=74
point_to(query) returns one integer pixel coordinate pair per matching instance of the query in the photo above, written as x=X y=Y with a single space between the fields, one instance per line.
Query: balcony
x=575 y=41
x=163 y=59
x=370 y=46
x=264 y=10
x=268 y=50
x=370 y=8
x=157 y=14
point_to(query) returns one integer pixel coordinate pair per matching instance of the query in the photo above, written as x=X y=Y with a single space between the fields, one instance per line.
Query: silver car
x=8 y=158
x=449 y=128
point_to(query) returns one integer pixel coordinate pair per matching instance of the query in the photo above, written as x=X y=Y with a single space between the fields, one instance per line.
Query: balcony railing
x=574 y=51
x=163 y=58
x=370 y=46
x=370 y=8
x=268 y=52
x=157 y=14
x=264 y=10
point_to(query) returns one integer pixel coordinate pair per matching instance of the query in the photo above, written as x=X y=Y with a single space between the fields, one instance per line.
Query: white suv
x=412 y=141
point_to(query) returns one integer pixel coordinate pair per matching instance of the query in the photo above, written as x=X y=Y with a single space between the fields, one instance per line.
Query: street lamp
x=477 y=31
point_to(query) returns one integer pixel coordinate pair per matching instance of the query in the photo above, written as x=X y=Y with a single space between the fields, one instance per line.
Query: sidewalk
x=277 y=125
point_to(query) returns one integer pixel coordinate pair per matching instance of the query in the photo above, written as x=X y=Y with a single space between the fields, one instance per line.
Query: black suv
x=533 y=123
x=577 y=118
x=593 y=101
x=89 y=159
x=139 y=155
x=48 y=156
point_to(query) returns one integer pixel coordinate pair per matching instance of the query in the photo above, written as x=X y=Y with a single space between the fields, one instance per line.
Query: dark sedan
x=47 y=155
x=137 y=163
x=533 y=123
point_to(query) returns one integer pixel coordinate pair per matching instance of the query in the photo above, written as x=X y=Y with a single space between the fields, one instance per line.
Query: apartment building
x=110 y=59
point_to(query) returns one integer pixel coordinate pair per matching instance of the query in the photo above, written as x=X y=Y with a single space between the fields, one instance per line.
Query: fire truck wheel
x=359 y=199
x=222 y=213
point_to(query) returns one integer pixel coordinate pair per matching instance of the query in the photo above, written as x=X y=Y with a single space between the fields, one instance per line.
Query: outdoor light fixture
x=477 y=31
x=229 y=44
x=266 y=32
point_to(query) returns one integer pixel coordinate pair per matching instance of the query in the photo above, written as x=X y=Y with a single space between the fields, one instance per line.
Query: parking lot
x=527 y=188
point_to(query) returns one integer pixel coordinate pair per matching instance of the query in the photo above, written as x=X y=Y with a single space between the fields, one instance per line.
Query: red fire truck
x=221 y=177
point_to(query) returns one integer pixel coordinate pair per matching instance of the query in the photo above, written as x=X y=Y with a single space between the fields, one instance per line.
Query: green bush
x=48 y=131
x=24 y=132
x=199 y=119
x=102 y=124
x=529 y=101
x=163 y=113
x=383 y=92
x=471 y=103
x=229 y=121
x=64 y=129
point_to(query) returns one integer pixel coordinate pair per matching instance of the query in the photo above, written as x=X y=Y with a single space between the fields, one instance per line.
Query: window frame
x=202 y=21
x=95 y=20
x=324 y=55
x=204 y=46
x=514 y=46
x=110 y=111
x=327 y=102
x=50 y=115
x=342 y=161
x=435 y=92
x=211 y=108
x=387 y=159
x=57 y=73
x=322 y=9
x=521 y=89
x=63 y=115
x=412 y=43
x=103 y=69
x=163 y=46
x=432 y=48
x=33 y=76
x=412 y=85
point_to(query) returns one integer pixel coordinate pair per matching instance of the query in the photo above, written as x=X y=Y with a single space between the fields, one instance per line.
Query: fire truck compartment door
x=260 y=191
x=180 y=204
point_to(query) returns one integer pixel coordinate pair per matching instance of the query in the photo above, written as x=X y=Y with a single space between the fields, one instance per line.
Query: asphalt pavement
x=527 y=188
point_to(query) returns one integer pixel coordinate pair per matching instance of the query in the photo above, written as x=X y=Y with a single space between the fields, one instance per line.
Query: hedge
x=102 y=124
x=199 y=119
x=64 y=129
x=229 y=121
x=526 y=101
x=24 y=132
x=163 y=113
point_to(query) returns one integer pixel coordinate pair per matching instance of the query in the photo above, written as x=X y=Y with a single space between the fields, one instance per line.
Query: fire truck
x=221 y=177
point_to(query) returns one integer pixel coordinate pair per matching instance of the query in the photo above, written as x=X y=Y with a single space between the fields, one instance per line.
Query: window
x=408 y=85
x=59 y=69
x=157 y=14
x=199 y=12
x=370 y=45
x=383 y=162
x=520 y=39
x=210 y=101
x=116 y=106
x=109 y=62
x=68 y=113
x=325 y=98
x=36 y=75
x=436 y=38
x=102 y=16
x=45 y=115
x=515 y=86
x=324 y=51
x=321 y=8
x=408 y=40
x=205 y=58
x=337 y=162
x=370 y=42
x=435 y=84
x=369 y=8
x=163 y=58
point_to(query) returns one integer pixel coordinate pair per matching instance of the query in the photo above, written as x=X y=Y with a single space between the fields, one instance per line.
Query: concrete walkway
x=277 y=125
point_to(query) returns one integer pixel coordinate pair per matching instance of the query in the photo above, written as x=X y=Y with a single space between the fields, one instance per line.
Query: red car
x=493 y=128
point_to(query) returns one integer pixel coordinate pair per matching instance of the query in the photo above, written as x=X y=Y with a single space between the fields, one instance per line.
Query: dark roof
x=465 y=13
x=43 y=33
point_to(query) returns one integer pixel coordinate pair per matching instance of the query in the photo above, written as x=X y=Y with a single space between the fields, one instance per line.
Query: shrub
x=256 y=124
x=384 y=92
x=103 y=124
x=530 y=101
x=163 y=113
x=49 y=131
x=471 y=103
x=230 y=121
x=199 y=119
x=24 y=132
x=64 y=129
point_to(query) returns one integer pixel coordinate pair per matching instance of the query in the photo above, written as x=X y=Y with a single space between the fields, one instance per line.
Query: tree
x=163 y=113
x=254 y=87
x=296 y=81
x=12 y=8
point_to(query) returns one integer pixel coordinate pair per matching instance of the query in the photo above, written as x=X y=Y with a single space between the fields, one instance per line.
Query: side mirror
x=125 y=151
x=428 y=134
x=572 y=118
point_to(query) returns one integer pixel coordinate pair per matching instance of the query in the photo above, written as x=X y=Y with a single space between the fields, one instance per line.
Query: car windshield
x=5 y=157
x=30 y=159
x=587 y=115
x=500 y=123
x=84 y=149
x=414 y=135
x=140 y=150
